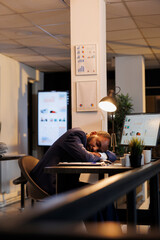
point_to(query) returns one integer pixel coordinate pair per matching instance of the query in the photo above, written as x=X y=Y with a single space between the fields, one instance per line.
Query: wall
x=13 y=116
x=130 y=77
x=88 y=26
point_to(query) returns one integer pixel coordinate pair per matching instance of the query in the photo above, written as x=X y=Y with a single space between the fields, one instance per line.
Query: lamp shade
x=108 y=103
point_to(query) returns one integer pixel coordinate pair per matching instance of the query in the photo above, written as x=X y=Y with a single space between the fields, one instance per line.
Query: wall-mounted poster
x=86 y=96
x=86 y=59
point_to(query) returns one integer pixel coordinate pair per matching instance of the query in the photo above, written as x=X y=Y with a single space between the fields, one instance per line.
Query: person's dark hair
x=98 y=133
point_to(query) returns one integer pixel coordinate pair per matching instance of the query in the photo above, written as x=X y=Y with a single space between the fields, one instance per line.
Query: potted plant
x=136 y=148
x=124 y=107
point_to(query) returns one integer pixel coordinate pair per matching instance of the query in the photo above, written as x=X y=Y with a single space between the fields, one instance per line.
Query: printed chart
x=86 y=59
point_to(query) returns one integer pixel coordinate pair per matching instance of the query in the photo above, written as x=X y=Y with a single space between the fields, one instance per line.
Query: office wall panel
x=13 y=115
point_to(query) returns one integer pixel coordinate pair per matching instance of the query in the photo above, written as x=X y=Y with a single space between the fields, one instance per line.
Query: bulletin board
x=86 y=96
x=86 y=59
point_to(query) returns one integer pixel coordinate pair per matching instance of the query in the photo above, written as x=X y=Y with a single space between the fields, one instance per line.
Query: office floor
x=14 y=208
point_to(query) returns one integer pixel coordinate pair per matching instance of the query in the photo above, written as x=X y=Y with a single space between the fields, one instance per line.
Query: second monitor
x=142 y=125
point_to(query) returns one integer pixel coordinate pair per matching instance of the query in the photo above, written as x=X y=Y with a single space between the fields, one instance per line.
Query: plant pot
x=135 y=161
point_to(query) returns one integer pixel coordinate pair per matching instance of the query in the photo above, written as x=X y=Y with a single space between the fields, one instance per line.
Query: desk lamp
x=109 y=104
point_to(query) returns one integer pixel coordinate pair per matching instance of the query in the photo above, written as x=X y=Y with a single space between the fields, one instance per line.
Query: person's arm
x=111 y=156
x=108 y=155
x=73 y=145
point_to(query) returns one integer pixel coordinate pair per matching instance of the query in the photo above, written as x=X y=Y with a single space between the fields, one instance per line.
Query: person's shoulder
x=76 y=129
x=77 y=132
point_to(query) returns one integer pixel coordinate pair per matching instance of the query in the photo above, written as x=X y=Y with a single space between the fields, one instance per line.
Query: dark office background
x=152 y=80
x=61 y=81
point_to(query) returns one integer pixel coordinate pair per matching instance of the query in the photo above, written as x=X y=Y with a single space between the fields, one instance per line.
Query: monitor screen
x=144 y=126
x=52 y=116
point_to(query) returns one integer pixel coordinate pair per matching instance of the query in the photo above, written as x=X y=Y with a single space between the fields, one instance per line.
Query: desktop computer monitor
x=144 y=126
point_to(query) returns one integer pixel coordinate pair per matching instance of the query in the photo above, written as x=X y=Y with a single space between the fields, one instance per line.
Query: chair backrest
x=26 y=164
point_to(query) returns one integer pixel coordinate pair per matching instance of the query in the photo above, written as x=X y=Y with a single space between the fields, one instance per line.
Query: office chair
x=21 y=180
x=26 y=164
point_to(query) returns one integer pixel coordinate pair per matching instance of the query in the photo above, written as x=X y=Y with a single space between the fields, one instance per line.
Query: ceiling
x=37 y=32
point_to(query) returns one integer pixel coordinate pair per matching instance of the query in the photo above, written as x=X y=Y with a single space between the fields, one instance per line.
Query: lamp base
x=113 y=141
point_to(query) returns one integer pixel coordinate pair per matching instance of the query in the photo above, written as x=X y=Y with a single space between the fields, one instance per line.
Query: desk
x=11 y=157
x=145 y=216
x=62 y=171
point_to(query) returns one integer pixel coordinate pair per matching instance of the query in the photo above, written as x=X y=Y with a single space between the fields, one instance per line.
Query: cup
x=127 y=160
x=147 y=156
x=123 y=161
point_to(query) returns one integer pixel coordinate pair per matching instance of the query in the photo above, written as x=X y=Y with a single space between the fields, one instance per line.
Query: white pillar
x=130 y=77
x=88 y=26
